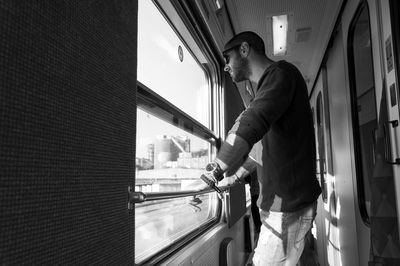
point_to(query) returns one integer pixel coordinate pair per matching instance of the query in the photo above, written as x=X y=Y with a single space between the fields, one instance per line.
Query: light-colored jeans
x=281 y=239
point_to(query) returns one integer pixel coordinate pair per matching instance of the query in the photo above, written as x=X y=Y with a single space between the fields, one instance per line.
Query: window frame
x=158 y=106
x=320 y=121
x=354 y=112
x=154 y=104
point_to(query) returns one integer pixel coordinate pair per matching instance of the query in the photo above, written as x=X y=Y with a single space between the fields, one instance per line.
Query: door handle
x=388 y=160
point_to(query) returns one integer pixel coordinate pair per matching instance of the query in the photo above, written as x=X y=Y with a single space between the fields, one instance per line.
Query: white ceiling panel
x=310 y=27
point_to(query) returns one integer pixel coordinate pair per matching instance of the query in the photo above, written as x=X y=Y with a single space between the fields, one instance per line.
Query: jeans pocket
x=304 y=227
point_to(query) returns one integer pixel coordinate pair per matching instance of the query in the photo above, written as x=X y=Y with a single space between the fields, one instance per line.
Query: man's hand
x=214 y=171
x=212 y=175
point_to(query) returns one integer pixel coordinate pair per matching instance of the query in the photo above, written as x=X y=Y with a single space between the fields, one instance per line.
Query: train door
x=340 y=215
x=385 y=186
x=319 y=232
x=373 y=130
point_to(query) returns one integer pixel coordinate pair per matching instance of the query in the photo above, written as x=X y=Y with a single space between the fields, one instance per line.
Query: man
x=280 y=116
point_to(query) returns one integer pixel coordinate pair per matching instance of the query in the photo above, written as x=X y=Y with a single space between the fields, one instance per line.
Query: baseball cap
x=247 y=36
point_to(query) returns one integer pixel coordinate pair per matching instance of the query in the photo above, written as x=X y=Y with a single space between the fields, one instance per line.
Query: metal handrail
x=140 y=197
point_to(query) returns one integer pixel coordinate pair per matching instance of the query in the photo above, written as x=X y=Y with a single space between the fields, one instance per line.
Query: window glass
x=365 y=106
x=160 y=223
x=167 y=158
x=167 y=67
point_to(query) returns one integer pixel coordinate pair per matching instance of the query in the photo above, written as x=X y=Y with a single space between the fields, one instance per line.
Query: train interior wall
x=346 y=237
x=68 y=90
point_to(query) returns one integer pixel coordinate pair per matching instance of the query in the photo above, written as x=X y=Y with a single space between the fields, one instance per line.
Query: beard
x=241 y=71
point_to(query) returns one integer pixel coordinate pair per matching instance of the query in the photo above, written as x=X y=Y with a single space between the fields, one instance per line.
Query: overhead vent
x=303 y=34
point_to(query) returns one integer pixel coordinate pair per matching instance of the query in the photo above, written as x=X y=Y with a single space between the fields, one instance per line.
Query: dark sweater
x=280 y=115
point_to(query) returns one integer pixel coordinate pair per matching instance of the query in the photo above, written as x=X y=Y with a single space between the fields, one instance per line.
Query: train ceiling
x=311 y=23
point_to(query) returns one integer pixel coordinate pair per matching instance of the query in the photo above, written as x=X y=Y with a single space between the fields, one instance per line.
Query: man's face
x=236 y=65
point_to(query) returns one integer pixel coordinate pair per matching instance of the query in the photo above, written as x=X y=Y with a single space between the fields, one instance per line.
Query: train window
x=363 y=107
x=161 y=223
x=172 y=139
x=167 y=67
x=167 y=158
x=321 y=165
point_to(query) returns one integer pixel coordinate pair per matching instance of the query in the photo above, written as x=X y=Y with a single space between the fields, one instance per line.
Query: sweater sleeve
x=274 y=95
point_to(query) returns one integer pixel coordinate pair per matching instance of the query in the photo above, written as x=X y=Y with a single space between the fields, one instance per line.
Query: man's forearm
x=247 y=168
x=234 y=150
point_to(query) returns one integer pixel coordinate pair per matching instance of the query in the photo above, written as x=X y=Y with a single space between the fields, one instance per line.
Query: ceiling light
x=279 y=31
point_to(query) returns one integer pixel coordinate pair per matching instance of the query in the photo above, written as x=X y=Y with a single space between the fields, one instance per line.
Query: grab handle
x=388 y=160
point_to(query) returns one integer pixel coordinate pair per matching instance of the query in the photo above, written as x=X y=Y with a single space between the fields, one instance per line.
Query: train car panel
x=340 y=188
x=321 y=219
x=390 y=81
